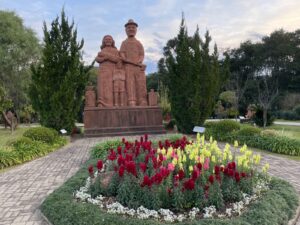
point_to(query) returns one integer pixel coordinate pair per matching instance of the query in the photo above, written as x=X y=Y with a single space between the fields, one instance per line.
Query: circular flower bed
x=174 y=181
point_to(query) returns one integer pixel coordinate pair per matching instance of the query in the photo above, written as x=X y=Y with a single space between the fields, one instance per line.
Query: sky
x=229 y=22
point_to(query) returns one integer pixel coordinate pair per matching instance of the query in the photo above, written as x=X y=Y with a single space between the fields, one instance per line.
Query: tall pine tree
x=59 y=80
x=193 y=78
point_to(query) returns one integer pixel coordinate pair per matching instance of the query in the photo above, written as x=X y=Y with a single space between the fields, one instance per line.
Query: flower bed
x=176 y=181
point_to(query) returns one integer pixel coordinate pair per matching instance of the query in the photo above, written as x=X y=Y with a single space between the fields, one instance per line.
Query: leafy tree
x=192 y=75
x=152 y=81
x=58 y=81
x=19 y=47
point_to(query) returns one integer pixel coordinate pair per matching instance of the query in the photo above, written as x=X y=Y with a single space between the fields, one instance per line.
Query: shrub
x=297 y=110
x=268 y=132
x=222 y=130
x=101 y=149
x=258 y=118
x=8 y=158
x=248 y=131
x=287 y=115
x=43 y=134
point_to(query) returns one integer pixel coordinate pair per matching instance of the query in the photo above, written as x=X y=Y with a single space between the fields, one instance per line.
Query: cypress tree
x=193 y=78
x=59 y=79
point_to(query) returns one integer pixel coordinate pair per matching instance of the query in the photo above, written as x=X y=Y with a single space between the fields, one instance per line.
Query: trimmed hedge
x=34 y=143
x=276 y=206
x=43 y=134
x=252 y=137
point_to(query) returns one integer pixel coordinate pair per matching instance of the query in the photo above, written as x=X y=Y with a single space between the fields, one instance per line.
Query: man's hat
x=131 y=22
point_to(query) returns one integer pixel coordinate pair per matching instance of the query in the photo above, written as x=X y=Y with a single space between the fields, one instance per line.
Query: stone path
x=23 y=189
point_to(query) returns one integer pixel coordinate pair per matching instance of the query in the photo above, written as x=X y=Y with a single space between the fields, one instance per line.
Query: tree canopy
x=193 y=76
x=19 y=47
x=59 y=80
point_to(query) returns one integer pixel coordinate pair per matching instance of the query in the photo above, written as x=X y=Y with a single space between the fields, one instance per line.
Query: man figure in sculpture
x=132 y=54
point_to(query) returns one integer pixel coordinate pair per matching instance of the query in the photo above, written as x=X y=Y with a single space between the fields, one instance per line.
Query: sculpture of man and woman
x=121 y=80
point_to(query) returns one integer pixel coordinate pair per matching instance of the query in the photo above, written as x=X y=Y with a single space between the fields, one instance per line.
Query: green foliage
x=5 y=102
x=8 y=158
x=230 y=191
x=19 y=47
x=60 y=207
x=152 y=81
x=59 y=80
x=34 y=143
x=193 y=78
x=287 y=115
x=215 y=196
x=258 y=118
x=248 y=131
x=42 y=134
x=100 y=150
x=164 y=101
x=222 y=129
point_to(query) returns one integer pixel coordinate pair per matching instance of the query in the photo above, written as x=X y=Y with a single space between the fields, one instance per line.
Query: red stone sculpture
x=107 y=58
x=132 y=54
x=119 y=85
x=90 y=97
x=152 y=98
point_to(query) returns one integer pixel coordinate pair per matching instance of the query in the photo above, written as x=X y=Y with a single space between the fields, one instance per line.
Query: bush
x=283 y=145
x=258 y=118
x=8 y=158
x=248 y=131
x=101 y=149
x=43 y=134
x=288 y=115
x=268 y=132
x=222 y=130
x=297 y=110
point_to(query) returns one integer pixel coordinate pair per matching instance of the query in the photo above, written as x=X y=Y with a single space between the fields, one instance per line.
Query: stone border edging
x=296 y=217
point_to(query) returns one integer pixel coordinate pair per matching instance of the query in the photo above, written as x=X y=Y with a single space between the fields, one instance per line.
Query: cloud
x=229 y=22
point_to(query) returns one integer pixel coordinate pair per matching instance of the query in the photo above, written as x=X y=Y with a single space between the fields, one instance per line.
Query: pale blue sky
x=229 y=21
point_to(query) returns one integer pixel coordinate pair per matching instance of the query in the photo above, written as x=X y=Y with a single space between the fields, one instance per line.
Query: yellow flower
x=257 y=159
x=248 y=153
x=180 y=166
x=213 y=159
x=184 y=158
x=210 y=139
x=174 y=161
x=266 y=167
x=190 y=168
x=236 y=144
x=163 y=151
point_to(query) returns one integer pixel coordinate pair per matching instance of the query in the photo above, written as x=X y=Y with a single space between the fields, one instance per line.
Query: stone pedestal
x=110 y=121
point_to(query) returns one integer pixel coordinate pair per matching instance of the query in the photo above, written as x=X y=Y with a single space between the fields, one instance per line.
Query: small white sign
x=199 y=129
x=63 y=131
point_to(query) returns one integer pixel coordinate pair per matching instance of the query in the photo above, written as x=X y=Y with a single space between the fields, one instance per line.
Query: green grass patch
x=6 y=137
x=287 y=131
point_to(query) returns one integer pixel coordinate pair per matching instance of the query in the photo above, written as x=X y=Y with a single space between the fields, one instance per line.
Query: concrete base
x=125 y=121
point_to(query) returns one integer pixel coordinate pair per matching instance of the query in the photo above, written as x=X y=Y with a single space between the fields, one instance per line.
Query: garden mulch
x=23 y=188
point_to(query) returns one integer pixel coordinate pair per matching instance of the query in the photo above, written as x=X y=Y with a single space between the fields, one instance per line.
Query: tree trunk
x=265 y=117
x=6 y=120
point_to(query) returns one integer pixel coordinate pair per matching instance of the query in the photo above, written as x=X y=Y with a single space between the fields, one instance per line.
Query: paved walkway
x=22 y=189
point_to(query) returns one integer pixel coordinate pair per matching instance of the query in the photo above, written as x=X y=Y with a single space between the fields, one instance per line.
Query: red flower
x=146 y=181
x=160 y=145
x=243 y=174
x=157 y=178
x=181 y=174
x=189 y=184
x=128 y=157
x=237 y=177
x=123 y=140
x=211 y=179
x=226 y=171
x=164 y=172
x=161 y=157
x=141 y=139
x=121 y=171
x=91 y=170
x=112 y=155
x=206 y=187
x=143 y=167
x=195 y=174
x=218 y=177
x=119 y=149
x=232 y=165
x=146 y=137
x=99 y=165
x=169 y=190
x=199 y=166
x=121 y=160
x=230 y=172
x=217 y=170
x=130 y=167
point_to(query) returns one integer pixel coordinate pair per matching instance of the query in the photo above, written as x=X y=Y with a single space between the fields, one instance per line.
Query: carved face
x=131 y=30
x=108 y=41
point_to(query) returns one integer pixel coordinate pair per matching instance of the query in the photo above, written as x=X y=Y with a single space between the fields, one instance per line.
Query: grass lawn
x=7 y=137
x=288 y=131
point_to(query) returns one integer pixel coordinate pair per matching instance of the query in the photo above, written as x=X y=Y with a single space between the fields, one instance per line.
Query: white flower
x=228 y=212
x=193 y=212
